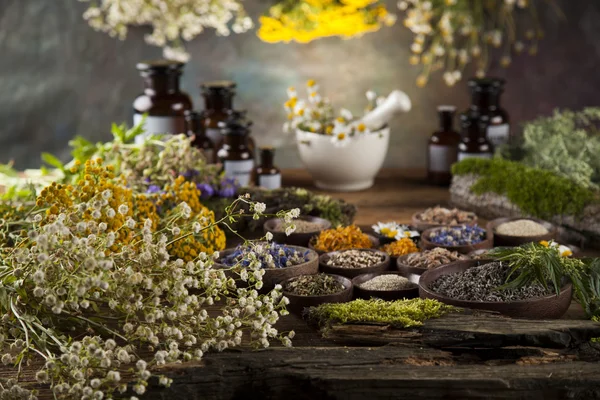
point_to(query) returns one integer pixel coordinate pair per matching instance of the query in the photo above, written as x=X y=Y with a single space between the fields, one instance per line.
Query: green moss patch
x=536 y=192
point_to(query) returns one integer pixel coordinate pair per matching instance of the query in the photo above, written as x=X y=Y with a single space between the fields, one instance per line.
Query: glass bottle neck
x=266 y=158
x=218 y=102
x=485 y=101
x=161 y=84
x=446 y=120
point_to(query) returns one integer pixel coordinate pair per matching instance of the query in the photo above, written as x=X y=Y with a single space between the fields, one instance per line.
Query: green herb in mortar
x=314 y=285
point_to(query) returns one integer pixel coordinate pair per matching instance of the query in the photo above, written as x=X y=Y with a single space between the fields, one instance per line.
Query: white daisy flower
x=340 y=139
x=346 y=114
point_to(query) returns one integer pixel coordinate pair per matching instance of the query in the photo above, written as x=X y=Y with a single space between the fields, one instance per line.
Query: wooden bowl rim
x=423 y=286
x=342 y=279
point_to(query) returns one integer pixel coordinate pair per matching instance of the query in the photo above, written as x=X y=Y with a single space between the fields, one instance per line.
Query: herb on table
x=314 y=285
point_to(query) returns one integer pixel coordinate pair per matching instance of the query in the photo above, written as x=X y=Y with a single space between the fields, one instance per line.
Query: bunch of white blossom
x=317 y=115
x=172 y=21
x=87 y=310
x=450 y=34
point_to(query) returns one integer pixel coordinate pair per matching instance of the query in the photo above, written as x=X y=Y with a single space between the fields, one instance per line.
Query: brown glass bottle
x=195 y=129
x=162 y=99
x=235 y=154
x=266 y=174
x=443 y=148
x=485 y=100
x=473 y=142
x=218 y=104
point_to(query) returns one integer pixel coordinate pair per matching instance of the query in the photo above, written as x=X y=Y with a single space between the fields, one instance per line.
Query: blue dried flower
x=153 y=189
x=282 y=256
x=458 y=236
x=206 y=190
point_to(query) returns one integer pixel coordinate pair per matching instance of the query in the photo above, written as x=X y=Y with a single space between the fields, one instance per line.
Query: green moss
x=404 y=313
x=536 y=192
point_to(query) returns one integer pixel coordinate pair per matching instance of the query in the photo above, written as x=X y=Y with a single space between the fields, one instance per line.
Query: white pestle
x=396 y=102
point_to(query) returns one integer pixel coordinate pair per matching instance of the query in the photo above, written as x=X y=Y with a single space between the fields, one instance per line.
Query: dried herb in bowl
x=355 y=259
x=433 y=258
x=400 y=247
x=444 y=216
x=458 y=236
x=387 y=282
x=313 y=285
x=342 y=238
x=270 y=255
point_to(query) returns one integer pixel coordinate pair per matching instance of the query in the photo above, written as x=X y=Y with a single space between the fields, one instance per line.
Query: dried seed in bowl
x=355 y=259
x=521 y=228
x=387 y=282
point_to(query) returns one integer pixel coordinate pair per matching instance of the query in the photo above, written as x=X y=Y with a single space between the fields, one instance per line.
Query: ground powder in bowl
x=521 y=228
x=387 y=282
x=302 y=226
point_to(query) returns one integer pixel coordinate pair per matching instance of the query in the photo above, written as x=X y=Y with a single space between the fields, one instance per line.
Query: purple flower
x=153 y=189
x=206 y=190
x=190 y=173
x=227 y=191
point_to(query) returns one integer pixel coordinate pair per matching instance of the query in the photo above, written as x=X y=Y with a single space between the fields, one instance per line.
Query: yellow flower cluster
x=208 y=240
x=307 y=20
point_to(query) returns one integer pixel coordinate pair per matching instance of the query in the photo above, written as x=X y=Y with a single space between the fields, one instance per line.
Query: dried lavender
x=433 y=258
x=481 y=283
x=458 y=236
x=387 y=282
x=270 y=255
x=313 y=285
x=355 y=259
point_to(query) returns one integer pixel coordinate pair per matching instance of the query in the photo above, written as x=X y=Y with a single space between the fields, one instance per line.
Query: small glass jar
x=235 y=154
x=266 y=174
x=162 y=100
x=443 y=148
x=473 y=142
x=485 y=100
x=195 y=129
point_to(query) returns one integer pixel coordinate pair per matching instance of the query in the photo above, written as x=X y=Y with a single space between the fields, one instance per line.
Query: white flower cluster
x=451 y=33
x=317 y=115
x=171 y=20
x=62 y=278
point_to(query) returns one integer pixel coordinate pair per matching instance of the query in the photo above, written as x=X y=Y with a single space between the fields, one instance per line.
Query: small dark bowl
x=298 y=303
x=388 y=295
x=311 y=243
x=422 y=226
x=487 y=243
x=296 y=238
x=353 y=272
x=509 y=241
x=547 y=307
x=274 y=276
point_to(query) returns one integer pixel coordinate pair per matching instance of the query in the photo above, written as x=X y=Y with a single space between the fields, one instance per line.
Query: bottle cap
x=160 y=67
x=486 y=84
x=446 y=109
x=235 y=124
x=215 y=87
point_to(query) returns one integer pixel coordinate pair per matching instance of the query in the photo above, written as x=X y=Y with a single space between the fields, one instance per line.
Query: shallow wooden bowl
x=311 y=243
x=405 y=268
x=422 y=226
x=275 y=225
x=487 y=243
x=388 y=295
x=353 y=272
x=509 y=241
x=547 y=307
x=298 y=303
x=274 y=276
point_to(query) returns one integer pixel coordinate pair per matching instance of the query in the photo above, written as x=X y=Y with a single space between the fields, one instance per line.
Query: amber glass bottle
x=195 y=129
x=267 y=175
x=235 y=154
x=218 y=104
x=473 y=142
x=162 y=99
x=485 y=100
x=443 y=148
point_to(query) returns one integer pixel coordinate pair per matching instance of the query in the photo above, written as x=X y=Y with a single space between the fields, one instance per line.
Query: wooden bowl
x=298 y=303
x=275 y=225
x=547 y=307
x=353 y=272
x=311 y=243
x=388 y=295
x=487 y=243
x=509 y=241
x=274 y=276
x=422 y=226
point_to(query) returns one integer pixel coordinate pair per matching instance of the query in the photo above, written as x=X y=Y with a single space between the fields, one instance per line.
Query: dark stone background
x=59 y=78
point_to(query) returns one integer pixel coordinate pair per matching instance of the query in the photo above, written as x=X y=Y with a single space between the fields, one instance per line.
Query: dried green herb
x=314 y=285
x=404 y=313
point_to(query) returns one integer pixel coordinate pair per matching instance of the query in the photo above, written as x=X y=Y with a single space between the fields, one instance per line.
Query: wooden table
x=461 y=356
